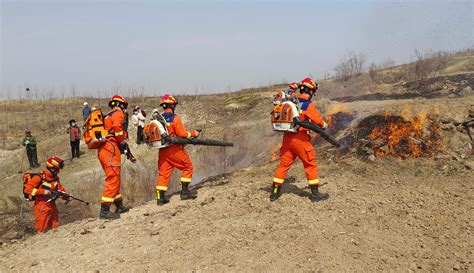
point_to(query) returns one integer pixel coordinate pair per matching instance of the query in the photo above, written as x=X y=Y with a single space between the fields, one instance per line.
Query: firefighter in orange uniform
x=174 y=156
x=110 y=158
x=292 y=88
x=297 y=145
x=41 y=188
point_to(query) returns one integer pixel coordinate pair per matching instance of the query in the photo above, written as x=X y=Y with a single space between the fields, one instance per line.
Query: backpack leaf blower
x=317 y=129
x=197 y=141
x=156 y=136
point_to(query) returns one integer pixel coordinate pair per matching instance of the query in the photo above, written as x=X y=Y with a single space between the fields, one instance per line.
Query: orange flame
x=405 y=138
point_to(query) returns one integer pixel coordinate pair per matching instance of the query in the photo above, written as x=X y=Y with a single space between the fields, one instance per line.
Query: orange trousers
x=46 y=216
x=110 y=159
x=297 y=145
x=169 y=158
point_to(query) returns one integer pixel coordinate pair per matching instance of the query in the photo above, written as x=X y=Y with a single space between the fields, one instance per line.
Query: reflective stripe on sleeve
x=189 y=135
x=119 y=133
x=33 y=192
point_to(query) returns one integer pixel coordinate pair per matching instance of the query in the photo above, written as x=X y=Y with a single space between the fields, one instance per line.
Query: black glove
x=55 y=195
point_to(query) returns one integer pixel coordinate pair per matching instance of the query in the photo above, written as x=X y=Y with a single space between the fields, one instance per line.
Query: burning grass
x=399 y=135
x=339 y=117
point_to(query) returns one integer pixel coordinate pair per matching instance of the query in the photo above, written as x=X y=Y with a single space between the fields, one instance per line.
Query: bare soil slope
x=376 y=219
x=384 y=213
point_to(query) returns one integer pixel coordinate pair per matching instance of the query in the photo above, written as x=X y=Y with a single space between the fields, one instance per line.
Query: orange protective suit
x=298 y=145
x=110 y=156
x=174 y=156
x=46 y=213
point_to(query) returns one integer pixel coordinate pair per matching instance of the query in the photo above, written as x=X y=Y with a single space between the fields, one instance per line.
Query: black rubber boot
x=276 y=192
x=120 y=207
x=161 y=199
x=186 y=194
x=316 y=196
x=106 y=214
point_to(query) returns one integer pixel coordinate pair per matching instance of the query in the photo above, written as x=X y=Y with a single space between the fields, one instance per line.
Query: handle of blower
x=126 y=150
x=57 y=194
x=317 y=129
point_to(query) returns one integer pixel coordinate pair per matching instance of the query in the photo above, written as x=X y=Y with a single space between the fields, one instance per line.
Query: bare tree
x=73 y=90
x=373 y=72
x=351 y=65
x=387 y=63
x=426 y=65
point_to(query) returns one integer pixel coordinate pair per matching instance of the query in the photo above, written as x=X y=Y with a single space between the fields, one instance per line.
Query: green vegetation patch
x=459 y=65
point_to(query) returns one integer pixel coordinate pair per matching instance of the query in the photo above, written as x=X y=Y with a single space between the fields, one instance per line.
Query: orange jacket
x=176 y=126
x=38 y=184
x=309 y=112
x=114 y=124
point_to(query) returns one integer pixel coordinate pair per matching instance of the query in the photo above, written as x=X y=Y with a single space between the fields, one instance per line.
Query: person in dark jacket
x=29 y=141
x=74 y=137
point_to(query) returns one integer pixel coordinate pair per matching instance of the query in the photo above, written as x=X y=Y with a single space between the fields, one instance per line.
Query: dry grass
x=84 y=177
x=245 y=124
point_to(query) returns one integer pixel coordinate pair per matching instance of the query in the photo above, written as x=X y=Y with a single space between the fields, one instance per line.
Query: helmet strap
x=169 y=106
x=54 y=171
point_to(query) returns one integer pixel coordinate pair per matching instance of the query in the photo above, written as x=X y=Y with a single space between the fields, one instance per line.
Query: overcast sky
x=210 y=46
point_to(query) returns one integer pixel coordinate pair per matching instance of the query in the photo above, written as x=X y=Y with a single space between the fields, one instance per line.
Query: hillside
x=374 y=220
x=393 y=206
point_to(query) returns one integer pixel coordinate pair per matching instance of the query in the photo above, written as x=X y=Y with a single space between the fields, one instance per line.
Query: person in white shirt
x=138 y=120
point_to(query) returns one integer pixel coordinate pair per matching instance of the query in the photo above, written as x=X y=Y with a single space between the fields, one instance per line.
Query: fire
x=336 y=109
x=339 y=117
x=404 y=137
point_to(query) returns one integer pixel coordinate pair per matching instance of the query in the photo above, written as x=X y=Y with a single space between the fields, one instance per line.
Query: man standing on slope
x=174 y=156
x=41 y=188
x=29 y=141
x=297 y=144
x=110 y=158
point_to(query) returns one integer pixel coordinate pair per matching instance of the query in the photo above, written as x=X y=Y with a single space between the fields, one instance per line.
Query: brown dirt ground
x=388 y=215
x=383 y=215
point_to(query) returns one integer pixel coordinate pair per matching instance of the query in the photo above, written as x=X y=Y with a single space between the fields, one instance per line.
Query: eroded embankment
x=84 y=177
x=374 y=220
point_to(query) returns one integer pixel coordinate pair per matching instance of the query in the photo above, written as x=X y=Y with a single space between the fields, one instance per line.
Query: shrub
x=351 y=65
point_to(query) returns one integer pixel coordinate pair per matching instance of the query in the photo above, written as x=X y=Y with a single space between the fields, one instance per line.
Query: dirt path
x=376 y=219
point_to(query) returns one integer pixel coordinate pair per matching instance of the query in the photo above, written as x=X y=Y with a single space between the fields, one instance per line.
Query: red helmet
x=168 y=99
x=55 y=163
x=117 y=101
x=309 y=83
x=293 y=86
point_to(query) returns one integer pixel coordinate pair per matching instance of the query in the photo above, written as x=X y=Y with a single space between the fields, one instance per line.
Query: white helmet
x=85 y=103
x=155 y=113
